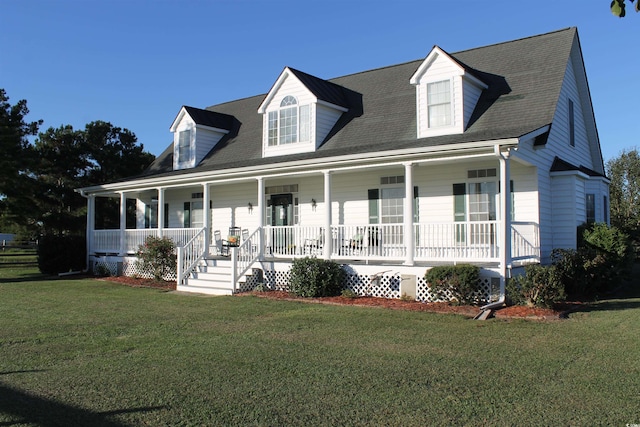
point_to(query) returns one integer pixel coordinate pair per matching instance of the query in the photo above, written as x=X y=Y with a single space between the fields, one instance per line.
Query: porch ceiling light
x=250 y=207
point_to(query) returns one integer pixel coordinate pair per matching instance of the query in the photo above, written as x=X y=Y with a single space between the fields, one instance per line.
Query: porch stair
x=211 y=277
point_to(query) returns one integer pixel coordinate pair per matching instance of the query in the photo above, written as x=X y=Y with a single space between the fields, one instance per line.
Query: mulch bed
x=511 y=312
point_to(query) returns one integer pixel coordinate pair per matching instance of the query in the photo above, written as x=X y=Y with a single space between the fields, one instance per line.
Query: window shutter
x=147 y=216
x=460 y=211
x=374 y=196
x=459 y=206
x=416 y=206
x=187 y=215
x=166 y=215
x=513 y=200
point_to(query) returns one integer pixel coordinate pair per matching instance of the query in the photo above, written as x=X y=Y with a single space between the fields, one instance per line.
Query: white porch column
x=409 y=239
x=91 y=221
x=505 y=215
x=123 y=223
x=160 y=211
x=261 y=217
x=328 y=236
x=206 y=216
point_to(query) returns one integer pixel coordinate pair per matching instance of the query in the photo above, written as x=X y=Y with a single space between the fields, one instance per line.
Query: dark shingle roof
x=323 y=89
x=210 y=118
x=560 y=165
x=524 y=78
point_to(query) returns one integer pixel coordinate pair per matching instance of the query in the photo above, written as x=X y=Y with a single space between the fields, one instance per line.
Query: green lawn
x=86 y=352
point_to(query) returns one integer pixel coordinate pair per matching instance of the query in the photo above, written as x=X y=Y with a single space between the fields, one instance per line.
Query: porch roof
x=524 y=79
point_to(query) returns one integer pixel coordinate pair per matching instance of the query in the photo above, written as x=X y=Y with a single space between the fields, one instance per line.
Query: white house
x=487 y=156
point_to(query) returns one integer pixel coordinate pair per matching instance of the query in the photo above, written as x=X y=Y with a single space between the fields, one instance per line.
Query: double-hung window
x=184 y=146
x=289 y=124
x=439 y=103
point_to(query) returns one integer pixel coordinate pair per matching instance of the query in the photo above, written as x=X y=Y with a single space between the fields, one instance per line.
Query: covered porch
x=445 y=209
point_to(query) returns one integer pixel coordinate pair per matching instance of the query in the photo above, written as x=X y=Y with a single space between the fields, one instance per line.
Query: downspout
x=505 y=232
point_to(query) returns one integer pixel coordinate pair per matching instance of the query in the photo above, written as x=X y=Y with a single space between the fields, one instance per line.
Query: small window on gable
x=572 y=125
x=439 y=104
x=289 y=124
x=184 y=146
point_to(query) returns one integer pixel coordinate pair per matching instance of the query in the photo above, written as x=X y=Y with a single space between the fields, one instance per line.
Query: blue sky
x=135 y=63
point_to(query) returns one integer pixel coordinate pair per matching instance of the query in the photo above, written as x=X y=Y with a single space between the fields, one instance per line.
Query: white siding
x=326 y=118
x=471 y=94
x=290 y=86
x=206 y=139
x=231 y=206
x=580 y=154
x=568 y=209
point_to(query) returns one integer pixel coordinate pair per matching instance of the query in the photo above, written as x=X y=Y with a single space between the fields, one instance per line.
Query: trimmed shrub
x=61 y=254
x=540 y=286
x=602 y=260
x=158 y=256
x=313 y=277
x=459 y=281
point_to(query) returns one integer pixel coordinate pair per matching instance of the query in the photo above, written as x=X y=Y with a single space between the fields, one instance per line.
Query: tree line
x=38 y=179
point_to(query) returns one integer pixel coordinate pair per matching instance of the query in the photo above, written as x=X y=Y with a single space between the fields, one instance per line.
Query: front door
x=282 y=216
x=282 y=209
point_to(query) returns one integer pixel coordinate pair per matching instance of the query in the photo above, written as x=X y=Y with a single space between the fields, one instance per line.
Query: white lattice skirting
x=129 y=266
x=386 y=286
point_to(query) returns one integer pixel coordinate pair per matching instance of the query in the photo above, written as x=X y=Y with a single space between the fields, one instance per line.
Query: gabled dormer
x=299 y=112
x=446 y=94
x=195 y=133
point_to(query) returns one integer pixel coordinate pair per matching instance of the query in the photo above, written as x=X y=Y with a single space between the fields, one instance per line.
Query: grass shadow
x=27 y=408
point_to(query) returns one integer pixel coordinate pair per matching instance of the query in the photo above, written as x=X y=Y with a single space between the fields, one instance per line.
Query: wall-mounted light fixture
x=250 y=206
x=313 y=204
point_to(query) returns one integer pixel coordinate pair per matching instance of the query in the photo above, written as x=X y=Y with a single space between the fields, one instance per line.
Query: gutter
x=290 y=167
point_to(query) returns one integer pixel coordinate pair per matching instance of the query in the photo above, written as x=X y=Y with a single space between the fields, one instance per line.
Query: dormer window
x=184 y=146
x=289 y=124
x=439 y=103
x=195 y=133
x=446 y=95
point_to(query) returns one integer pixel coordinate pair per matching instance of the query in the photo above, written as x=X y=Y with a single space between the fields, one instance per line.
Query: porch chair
x=356 y=243
x=245 y=236
x=314 y=246
x=222 y=246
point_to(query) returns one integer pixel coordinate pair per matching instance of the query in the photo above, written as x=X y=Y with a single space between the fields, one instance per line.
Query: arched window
x=288 y=120
x=289 y=124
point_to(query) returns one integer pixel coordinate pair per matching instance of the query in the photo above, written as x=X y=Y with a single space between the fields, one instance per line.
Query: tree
x=62 y=160
x=618 y=7
x=624 y=191
x=13 y=141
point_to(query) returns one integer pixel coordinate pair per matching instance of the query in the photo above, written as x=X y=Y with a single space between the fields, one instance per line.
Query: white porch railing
x=472 y=241
x=108 y=241
x=244 y=256
x=465 y=240
x=525 y=241
x=189 y=254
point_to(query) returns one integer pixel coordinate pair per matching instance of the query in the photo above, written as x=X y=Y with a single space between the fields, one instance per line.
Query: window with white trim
x=590 y=206
x=439 y=104
x=184 y=146
x=289 y=124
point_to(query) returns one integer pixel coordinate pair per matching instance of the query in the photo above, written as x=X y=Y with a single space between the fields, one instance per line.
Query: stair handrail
x=244 y=256
x=190 y=254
